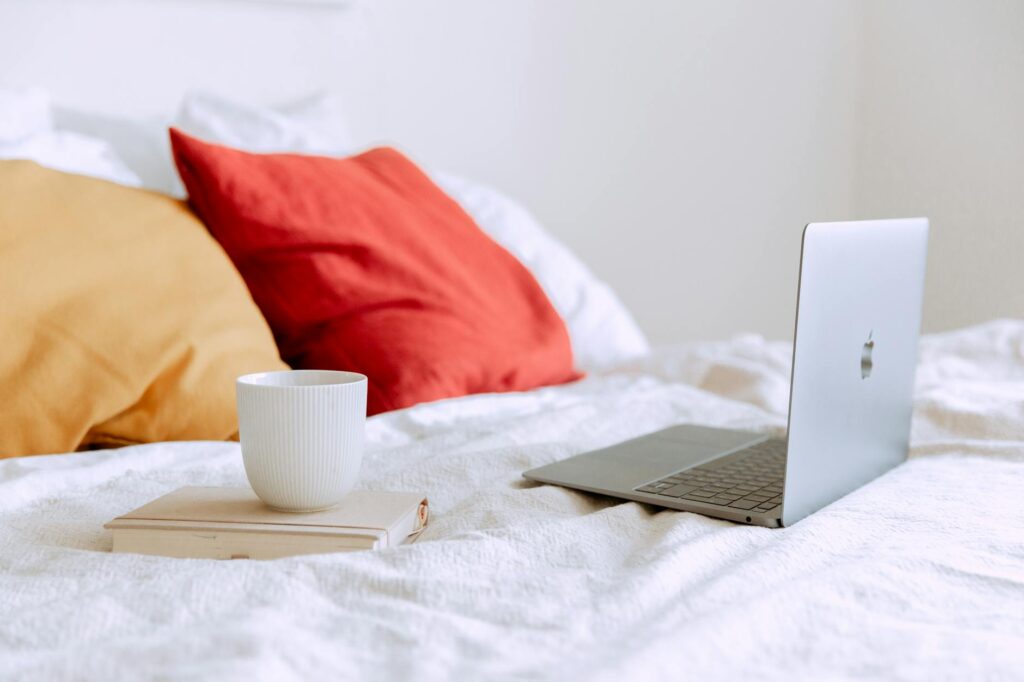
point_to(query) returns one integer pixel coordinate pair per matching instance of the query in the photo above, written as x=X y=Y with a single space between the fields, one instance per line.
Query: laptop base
x=684 y=455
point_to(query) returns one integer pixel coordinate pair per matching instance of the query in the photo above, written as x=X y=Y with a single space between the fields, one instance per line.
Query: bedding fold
x=918 y=575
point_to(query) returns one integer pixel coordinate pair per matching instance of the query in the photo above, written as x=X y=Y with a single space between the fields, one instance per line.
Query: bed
x=918 y=575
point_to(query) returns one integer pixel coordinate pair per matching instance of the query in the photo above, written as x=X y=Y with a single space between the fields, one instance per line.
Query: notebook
x=232 y=523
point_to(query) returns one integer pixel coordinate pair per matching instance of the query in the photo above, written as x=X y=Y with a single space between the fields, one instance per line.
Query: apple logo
x=866 y=362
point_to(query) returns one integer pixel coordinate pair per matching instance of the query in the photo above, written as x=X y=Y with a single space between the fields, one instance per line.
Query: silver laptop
x=851 y=393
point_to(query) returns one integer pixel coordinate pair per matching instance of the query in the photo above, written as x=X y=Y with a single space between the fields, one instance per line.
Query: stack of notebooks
x=232 y=523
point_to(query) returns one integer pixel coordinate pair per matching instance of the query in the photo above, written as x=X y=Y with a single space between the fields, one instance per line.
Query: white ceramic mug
x=302 y=435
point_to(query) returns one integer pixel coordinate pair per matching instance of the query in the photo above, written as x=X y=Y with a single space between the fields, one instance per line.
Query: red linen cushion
x=364 y=264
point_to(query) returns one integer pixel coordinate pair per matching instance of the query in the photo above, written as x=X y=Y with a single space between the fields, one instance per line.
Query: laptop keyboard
x=751 y=479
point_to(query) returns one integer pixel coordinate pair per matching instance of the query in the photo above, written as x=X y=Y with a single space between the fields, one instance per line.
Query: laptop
x=851 y=395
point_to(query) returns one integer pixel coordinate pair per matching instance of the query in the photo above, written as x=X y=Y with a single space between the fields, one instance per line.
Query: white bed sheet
x=919 y=575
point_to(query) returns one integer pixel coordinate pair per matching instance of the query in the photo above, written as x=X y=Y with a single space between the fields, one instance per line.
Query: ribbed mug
x=302 y=435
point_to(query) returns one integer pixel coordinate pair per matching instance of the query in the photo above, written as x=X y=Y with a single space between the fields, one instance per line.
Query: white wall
x=941 y=133
x=138 y=56
x=679 y=147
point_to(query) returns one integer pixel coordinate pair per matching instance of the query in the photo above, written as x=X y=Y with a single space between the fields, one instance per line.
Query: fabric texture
x=601 y=328
x=122 y=320
x=919 y=575
x=363 y=264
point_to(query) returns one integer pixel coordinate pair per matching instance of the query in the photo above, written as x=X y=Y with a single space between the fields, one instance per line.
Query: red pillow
x=364 y=264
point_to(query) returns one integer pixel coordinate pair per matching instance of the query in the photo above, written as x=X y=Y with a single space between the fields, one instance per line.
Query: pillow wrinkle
x=100 y=357
x=129 y=323
x=148 y=414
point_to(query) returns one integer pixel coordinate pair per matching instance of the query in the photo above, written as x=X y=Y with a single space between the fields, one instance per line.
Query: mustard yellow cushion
x=121 y=319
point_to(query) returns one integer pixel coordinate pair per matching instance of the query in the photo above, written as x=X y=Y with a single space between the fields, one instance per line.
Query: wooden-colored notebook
x=232 y=523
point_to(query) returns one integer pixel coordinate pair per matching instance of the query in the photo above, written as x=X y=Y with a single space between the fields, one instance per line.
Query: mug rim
x=335 y=378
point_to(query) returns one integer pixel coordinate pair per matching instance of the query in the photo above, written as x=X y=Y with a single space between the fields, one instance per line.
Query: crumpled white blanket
x=918 y=575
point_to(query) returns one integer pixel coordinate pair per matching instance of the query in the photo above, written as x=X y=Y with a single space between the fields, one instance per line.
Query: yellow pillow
x=121 y=319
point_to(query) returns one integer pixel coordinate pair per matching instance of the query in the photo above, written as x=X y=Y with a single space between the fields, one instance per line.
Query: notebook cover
x=213 y=507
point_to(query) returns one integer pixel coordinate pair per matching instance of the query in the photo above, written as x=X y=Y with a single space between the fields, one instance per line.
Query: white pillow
x=602 y=331
x=26 y=132
x=141 y=143
x=72 y=153
x=315 y=125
